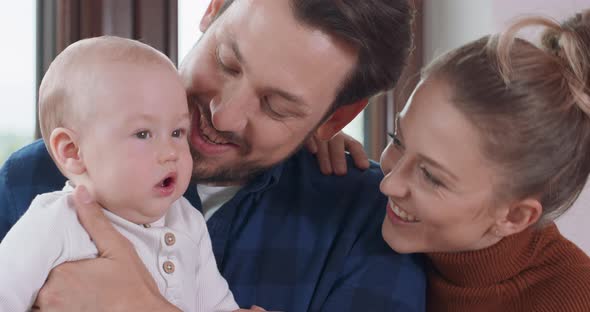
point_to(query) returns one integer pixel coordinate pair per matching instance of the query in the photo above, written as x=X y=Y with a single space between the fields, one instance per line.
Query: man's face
x=259 y=83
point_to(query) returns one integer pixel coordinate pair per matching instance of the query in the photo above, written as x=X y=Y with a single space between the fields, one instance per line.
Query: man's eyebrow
x=271 y=90
x=286 y=95
x=299 y=110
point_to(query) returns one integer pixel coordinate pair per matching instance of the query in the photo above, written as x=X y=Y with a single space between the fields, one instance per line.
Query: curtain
x=63 y=22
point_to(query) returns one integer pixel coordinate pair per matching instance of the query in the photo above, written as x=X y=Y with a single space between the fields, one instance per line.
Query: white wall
x=450 y=23
x=17 y=69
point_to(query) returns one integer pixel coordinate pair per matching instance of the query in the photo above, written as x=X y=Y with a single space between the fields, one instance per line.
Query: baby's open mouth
x=167 y=184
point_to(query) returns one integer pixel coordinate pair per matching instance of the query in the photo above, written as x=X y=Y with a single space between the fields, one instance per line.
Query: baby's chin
x=142 y=216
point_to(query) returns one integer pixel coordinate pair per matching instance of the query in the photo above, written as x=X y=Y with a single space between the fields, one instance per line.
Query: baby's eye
x=144 y=134
x=178 y=133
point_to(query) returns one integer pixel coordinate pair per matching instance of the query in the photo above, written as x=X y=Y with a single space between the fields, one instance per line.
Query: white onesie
x=176 y=250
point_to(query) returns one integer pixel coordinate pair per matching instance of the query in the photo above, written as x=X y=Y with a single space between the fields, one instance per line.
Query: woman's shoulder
x=559 y=277
x=556 y=251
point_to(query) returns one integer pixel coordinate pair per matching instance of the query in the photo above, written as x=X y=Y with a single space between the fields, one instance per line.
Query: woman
x=492 y=146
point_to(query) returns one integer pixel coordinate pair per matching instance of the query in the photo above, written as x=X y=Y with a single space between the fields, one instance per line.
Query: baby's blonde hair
x=68 y=79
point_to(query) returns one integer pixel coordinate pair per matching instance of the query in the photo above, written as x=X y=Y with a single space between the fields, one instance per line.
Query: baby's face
x=135 y=146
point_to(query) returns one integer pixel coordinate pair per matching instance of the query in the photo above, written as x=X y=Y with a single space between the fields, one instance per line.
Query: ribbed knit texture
x=536 y=270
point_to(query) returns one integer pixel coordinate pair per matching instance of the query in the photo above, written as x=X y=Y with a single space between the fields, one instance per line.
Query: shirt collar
x=266 y=179
x=261 y=182
x=68 y=187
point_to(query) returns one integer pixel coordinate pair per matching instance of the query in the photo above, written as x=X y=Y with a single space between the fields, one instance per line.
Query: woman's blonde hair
x=531 y=105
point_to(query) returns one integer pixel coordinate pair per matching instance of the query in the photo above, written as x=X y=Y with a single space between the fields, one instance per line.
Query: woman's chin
x=399 y=243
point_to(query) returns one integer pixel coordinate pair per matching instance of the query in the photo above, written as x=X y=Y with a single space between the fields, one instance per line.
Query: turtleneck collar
x=494 y=264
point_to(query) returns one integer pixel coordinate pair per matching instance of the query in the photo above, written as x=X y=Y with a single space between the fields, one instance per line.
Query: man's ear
x=66 y=150
x=210 y=14
x=339 y=119
x=518 y=217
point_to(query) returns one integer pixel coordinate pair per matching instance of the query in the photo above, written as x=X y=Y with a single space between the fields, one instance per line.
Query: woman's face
x=439 y=184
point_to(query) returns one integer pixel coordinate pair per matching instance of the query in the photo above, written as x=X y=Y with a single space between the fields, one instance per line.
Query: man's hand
x=116 y=281
x=331 y=156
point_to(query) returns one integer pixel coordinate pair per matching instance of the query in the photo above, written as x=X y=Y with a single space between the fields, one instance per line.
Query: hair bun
x=570 y=42
x=567 y=43
x=550 y=41
x=574 y=48
x=579 y=25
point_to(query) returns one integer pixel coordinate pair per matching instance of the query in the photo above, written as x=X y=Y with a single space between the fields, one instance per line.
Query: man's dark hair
x=380 y=30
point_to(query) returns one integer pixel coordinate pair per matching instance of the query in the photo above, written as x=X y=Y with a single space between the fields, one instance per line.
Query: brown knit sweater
x=537 y=270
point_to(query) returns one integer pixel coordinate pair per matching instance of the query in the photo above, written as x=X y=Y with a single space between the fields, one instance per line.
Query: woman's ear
x=518 y=217
x=66 y=151
x=210 y=14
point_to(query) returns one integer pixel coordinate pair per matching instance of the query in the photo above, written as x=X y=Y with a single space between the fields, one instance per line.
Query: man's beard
x=225 y=174
x=239 y=173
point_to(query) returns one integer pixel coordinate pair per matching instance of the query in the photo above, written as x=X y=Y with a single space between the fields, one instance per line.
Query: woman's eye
x=396 y=141
x=143 y=135
x=430 y=178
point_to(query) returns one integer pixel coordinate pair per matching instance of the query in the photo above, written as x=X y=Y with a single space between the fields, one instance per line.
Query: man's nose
x=231 y=110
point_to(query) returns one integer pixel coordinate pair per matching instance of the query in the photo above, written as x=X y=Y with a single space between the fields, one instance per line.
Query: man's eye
x=267 y=107
x=143 y=135
x=178 y=133
x=229 y=70
x=224 y=67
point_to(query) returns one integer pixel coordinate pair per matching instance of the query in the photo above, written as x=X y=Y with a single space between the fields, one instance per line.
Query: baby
x=114 y=117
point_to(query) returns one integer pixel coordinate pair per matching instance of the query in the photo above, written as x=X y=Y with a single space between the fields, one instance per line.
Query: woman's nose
x=395 y=183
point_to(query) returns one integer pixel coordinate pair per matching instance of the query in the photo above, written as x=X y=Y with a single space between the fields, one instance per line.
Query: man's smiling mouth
x=209 y=134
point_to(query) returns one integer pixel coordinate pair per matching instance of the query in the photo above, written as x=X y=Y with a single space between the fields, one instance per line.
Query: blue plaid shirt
x=291 y=240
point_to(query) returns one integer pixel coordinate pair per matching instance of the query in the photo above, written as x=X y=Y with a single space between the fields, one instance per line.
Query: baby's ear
x=66 y=151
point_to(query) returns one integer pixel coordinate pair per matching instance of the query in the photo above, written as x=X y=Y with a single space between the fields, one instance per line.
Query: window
x=189 y=16
x=17 y=78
